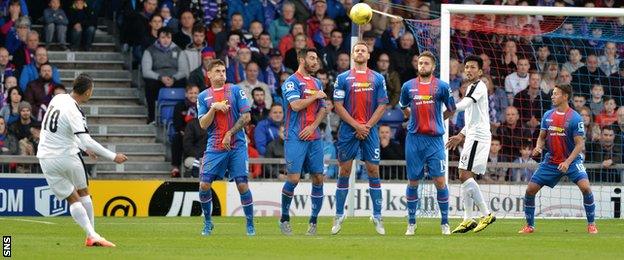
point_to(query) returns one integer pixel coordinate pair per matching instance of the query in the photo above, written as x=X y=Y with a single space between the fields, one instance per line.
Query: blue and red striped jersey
x=232 y=95
x=425 y=101
x=561 y=128
x=297 y=87
x=361 y=92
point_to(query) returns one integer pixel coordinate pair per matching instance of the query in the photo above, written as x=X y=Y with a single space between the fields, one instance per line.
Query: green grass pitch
x=179 y=238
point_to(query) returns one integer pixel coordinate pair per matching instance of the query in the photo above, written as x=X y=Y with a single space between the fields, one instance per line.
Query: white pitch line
x=28 y=220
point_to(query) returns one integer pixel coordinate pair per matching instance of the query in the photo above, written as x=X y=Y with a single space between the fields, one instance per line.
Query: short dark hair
x=165 y=30
x=567 y=89
x=430 y=55
x=304 y=52
x=82 y=83
x=607 y=98
x=256 y=89
x=198 y=28
x=156 y=15
x=276 y=104
x=213 y=63
x=476 y=59
x=496 y=138
x=190 y=86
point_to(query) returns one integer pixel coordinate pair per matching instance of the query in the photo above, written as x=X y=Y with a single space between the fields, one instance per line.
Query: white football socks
x=477 y=196
x=79 y=214
x=467 y=200
x=87 y=203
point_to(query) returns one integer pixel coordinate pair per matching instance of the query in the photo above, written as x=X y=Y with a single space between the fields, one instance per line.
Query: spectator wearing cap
x=235 y=71
x=252 y=10
x=55 y=21
x=319 y=13
x=161 y=67
x=168 y=19
x=39 y=91
x=16 y=35
x=193 y=51
x=31 y=71
x=82 y=23
x=289 y=40
x=329 y=53
x=21 y=128
x=252 y=71
x=185 y=36
x=281 y=26
x=273 y=71
x=199 y=76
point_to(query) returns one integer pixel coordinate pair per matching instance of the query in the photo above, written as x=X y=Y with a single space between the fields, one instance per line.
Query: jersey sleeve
x=202 y=107
x=578 y=128
x=404 y=99
x=291 y=90
x=339 y=89
x=381 y=92
x=76 y=120
x=242 y=100
x=543 y=125
x=477 y=92
x=446 y=96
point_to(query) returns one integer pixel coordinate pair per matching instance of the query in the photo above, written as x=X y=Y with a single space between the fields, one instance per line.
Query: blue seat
x=392 y=117
x=167 y=99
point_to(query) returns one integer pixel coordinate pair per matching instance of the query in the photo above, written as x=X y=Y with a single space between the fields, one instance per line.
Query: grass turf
x=178 y=238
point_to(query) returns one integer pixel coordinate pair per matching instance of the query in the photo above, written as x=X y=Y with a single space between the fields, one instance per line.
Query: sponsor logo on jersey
x=310 y=92
x=555 y=130
x=423 y=97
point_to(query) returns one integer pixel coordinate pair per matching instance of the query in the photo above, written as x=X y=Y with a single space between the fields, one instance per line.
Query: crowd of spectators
x=173 y=40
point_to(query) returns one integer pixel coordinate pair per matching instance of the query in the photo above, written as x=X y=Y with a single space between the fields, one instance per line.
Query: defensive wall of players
x=29 y=195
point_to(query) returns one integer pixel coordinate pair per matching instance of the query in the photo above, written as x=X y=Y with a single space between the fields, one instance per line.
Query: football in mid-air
x=361 y=13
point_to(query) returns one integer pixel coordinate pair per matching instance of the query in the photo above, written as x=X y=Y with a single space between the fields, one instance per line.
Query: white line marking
x=28 y=220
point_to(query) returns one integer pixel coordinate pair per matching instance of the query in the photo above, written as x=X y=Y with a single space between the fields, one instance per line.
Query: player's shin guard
x=247 y=203
x=374 y=185
x=79 y=214
x=205 y=198
x=342 y=190
x=529 y=209
x=443 y=203
x=590 y=207
x=411 y=193
x=287 y=195
x=317 y=202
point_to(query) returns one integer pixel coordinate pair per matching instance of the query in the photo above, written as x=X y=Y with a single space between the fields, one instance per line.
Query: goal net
x=526 y=52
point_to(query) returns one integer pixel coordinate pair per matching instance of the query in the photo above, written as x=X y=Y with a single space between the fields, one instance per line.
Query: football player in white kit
x=474 y=155
x=64 y=134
